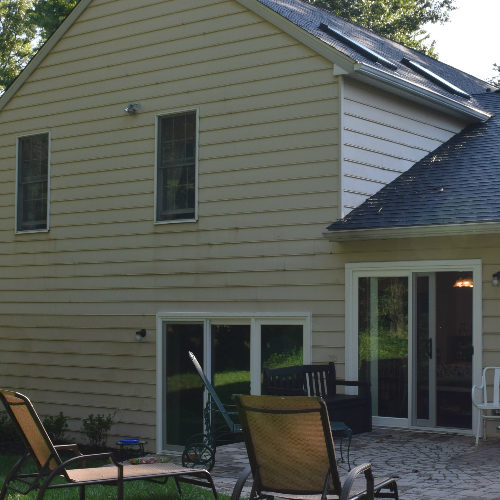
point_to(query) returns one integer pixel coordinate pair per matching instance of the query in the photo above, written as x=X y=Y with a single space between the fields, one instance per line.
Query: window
x=176 y=167
x=32 y=182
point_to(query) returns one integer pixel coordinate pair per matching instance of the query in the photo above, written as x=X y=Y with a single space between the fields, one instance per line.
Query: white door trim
x=406 y=268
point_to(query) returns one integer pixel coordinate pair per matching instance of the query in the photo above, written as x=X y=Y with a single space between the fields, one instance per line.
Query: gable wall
x=72 y=298
x=383 y=136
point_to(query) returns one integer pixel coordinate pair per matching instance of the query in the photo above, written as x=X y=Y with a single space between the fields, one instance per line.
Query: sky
x=470 y=41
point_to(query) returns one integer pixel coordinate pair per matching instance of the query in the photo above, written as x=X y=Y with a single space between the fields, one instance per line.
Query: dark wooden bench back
x=303 y=380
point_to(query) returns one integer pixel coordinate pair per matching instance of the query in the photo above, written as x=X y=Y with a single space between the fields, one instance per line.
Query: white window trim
x=255 y=320
x=354 y=271
x=157 y=122
x=49 y=160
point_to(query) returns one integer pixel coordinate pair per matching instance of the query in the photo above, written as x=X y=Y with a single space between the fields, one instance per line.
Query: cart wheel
x=198 y=456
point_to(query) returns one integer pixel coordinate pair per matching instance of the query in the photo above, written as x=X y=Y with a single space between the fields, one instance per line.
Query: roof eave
x=390 y=233
x=43 y=52
x=417 y=93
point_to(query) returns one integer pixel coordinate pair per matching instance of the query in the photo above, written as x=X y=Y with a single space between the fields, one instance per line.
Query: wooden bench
x=321 y=380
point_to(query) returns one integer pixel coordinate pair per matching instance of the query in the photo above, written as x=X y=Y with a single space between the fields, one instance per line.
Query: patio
x=427 y=465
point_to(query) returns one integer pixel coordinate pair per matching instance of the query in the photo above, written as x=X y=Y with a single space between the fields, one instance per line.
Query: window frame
x=157 y=166
x=17 y=222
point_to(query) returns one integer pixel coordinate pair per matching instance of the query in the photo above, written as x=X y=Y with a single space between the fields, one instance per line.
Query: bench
x=321 y=380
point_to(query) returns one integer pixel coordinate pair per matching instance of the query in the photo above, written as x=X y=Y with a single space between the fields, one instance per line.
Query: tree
x=16 y=37
x=399 y=20
x=47 y=15
x=24 y=26
x=496 y=79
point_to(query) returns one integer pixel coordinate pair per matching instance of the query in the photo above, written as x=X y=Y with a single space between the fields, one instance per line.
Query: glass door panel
x=383 y=343
x=281 y=345
x=184 y=392
x=230 y=360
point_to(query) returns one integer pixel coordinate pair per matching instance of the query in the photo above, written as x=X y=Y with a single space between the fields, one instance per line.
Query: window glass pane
x=383 y=343
x=176 y=167
x=184 y=388
x=281 y=345
x=230 y=360
x=32 y=191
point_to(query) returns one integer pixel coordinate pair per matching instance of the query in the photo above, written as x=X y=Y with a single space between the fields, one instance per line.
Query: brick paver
x=427 y=465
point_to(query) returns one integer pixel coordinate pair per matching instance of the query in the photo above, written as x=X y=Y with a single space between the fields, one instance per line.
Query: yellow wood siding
x=72 y=298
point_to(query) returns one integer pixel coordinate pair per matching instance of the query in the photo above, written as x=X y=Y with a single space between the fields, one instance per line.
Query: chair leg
x=478 y=431
x=81 y=490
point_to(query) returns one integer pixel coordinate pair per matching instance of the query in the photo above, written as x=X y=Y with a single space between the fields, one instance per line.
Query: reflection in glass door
x=383 y=343
x=232 y=355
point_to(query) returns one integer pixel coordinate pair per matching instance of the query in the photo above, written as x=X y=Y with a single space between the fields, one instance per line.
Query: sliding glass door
x=414 y=341
x=233 y=352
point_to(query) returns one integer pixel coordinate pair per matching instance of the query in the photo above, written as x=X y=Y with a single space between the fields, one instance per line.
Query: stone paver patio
x=427 y=465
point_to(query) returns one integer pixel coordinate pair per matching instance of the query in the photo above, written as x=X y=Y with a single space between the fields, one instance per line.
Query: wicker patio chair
x=291 y=453
x=50 y=466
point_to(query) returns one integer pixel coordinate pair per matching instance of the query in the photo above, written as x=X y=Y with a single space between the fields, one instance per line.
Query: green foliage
x=7 y=429
x=96 y=429
x=47 y=15
x=399 y=20
x=496 y=80
x=56 y=426
x=16 y=37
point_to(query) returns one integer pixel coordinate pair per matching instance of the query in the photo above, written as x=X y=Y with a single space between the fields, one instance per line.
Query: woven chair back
x=31 y=429
x=289 y=444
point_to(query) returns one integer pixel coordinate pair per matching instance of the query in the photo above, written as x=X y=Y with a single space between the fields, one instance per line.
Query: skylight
x=368 y=53
x=435 y=78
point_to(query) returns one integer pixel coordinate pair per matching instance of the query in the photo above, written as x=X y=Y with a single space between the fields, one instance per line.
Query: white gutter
x=389 y=233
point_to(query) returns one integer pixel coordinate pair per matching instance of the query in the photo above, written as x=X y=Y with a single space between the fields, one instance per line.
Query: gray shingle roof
x=458 y=183
x=309 y=18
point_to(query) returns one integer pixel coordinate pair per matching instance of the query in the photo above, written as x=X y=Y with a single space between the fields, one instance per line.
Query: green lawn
x=134 y=490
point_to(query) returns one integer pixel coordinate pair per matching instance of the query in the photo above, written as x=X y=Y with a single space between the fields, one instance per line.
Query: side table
x=135 y=445
x=340 y=430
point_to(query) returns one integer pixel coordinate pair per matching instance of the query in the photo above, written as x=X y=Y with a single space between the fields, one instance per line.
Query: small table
x=131 y=444
x=339 y=429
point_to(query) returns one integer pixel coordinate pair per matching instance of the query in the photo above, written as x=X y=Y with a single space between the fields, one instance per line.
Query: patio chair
x=200 y=449
x=50 y=466
x=291 y=452
x=489 y=407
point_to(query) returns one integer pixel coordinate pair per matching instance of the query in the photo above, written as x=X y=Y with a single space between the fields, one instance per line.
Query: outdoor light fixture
x=463 y=283
x=140 y=334
x=132 y=108
x=495 y=279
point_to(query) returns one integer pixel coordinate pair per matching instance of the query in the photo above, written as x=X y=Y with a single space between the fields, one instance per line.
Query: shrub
x=96 y=429
x=56 y=426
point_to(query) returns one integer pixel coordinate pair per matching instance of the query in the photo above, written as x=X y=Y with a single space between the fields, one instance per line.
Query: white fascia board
x=396 y=85
x=389 y=233
x=342 y=64
x=43 y=52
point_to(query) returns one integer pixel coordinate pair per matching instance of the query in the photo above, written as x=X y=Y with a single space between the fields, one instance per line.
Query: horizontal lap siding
x=72 y=299
x=383 y=136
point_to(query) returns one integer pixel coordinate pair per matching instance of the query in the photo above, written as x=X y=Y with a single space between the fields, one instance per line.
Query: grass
x=134 y=490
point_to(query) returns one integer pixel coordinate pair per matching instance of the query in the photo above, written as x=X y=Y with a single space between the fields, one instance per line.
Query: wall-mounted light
x=140 y=334
x=132 y=108
x=495 y=279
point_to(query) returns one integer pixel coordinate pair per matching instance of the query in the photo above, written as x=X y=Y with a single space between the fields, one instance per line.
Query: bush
x=56 y=426
x=96 y=429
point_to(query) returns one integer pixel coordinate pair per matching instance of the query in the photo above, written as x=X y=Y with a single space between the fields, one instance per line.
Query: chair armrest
x=240 y=483
x=364 y=387
x=476 y=388
x=71 y=447
x=349 y=482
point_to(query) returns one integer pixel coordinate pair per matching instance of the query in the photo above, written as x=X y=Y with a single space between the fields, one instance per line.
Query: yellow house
x=169 y=171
